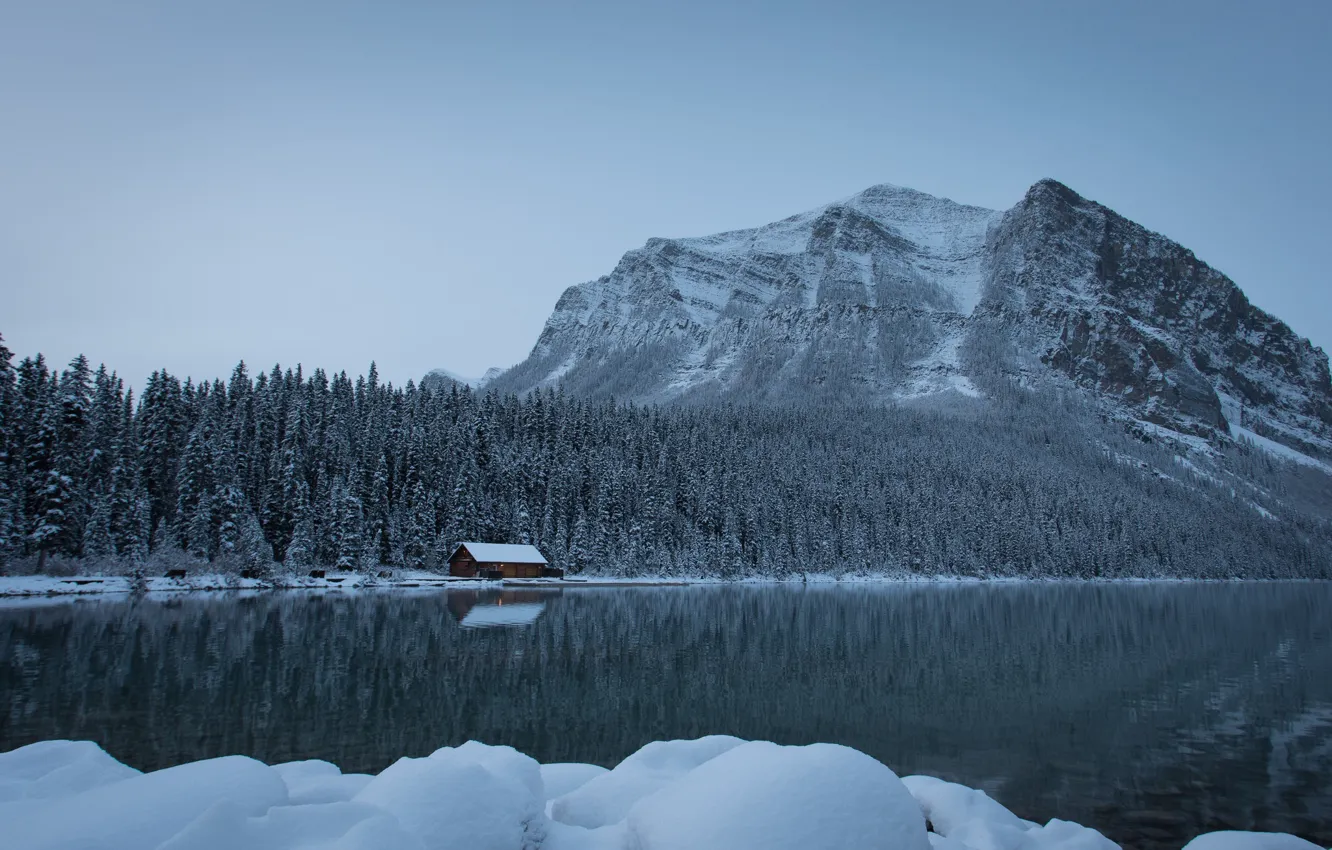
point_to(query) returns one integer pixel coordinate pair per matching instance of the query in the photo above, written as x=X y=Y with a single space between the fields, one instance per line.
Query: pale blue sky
x=185 y=184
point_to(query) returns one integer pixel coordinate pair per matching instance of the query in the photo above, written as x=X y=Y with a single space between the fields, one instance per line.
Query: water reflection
x=489 y=609
x=1152 y=712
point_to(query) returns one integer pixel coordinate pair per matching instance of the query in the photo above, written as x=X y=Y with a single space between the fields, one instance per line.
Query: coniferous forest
x=284 y=470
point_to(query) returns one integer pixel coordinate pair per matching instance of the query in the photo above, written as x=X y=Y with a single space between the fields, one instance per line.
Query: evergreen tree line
x=288 y=469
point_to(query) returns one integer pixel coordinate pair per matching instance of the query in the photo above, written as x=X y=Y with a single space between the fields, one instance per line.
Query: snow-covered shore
x=714 y=793
x=92 y=585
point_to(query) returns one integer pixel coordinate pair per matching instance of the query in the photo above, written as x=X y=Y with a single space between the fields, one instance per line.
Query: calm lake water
x=1151 y=712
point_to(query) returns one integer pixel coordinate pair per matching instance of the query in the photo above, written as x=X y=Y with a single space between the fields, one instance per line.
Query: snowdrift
x=715 y=793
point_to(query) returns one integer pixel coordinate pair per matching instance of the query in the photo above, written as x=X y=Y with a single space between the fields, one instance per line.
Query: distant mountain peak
x=444 y=377
x=892 y=294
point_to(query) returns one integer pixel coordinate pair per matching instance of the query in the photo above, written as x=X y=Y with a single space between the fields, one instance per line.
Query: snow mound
x=968 y=819
x=145 y=810
x=713 y=793
x=1066 y=835
x=1235 y=840
x=761 y=796
x=317 y=781
x=344 y=826
x=502 y=761
x=560 y=779
x=561 y=836
x=471 y=797
x=949 y=806
x=57 y=769
x=606 y=799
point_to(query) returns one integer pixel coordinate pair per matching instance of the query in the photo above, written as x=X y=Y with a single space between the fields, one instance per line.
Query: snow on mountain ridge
x=703 y=303
x=1146 y=325
x=892 y=293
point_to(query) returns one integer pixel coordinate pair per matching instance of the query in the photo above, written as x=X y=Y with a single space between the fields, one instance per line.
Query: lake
x=1151 y=712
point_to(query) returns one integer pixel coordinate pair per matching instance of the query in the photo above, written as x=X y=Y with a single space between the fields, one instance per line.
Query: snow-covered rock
x=606 y=799
x=761 y=796
x=1236 y=840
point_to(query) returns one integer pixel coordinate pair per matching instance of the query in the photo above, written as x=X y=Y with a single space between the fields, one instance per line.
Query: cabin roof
x=504 y=553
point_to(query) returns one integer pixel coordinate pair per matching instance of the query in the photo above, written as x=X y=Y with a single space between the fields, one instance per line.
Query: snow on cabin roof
x=504 y=553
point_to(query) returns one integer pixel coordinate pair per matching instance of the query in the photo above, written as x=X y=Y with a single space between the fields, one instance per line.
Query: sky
x=186 y=184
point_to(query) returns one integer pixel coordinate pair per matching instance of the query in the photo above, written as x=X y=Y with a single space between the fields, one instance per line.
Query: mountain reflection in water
x=1149 y=711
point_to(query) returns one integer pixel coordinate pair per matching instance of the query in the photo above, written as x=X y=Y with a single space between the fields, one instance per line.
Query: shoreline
x=45 y=586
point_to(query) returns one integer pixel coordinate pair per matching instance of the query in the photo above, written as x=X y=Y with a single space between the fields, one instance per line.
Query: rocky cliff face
x=893 y=294
x=1153 y=330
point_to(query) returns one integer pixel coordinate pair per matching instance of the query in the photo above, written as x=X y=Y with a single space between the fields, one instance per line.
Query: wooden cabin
x=473 y=560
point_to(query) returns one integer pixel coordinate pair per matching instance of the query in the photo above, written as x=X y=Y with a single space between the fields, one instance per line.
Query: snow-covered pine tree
x=349 y=528
x=1021 y=490
x=9 y=545
x=301 y=552
x=195 y=523
x=378 y=512
x=161 y=427
x=99 y=545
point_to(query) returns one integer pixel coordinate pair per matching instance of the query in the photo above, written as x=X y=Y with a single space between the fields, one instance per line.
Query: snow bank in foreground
x=715 y=793
x=1250 y=841
x=762 y=795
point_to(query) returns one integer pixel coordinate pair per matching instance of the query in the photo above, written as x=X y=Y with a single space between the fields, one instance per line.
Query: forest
x=285 y=470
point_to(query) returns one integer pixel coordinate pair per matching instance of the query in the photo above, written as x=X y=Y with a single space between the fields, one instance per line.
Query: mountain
x=444 y=378
x=895 y=295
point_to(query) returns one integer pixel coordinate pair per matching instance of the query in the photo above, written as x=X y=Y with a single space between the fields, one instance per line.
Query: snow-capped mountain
x=895 y=294
x=444 y=377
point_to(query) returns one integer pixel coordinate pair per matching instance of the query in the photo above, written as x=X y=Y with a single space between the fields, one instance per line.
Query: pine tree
x=51 y=531
x=379 y=511
x=348 y=530
x=8 y=428
x=252 y=545
x=195 y=523
x=232 y=515
x=50 y=490
x=98 y=541
x=301 y=552
x=417 y=528
x=160 y=426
